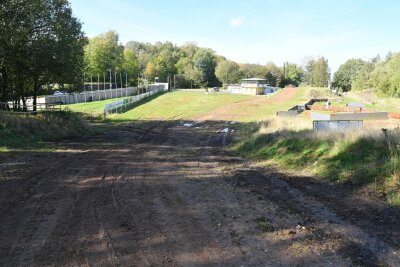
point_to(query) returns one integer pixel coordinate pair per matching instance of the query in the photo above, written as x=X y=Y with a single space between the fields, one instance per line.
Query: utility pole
x=120 y=79
x=104 y=86
x=126 y=83
x=110 y=85
x=116 y=84
x=91 y=87
x=84 y=86
x=137 y=88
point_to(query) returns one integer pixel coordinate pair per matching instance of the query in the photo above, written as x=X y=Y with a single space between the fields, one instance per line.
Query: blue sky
x=254 y=31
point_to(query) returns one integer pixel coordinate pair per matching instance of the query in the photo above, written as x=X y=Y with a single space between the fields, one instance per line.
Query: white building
x=252 y=86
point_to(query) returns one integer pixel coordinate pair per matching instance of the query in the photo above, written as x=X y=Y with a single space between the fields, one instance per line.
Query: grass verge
x=18 y=131
x=364 y=158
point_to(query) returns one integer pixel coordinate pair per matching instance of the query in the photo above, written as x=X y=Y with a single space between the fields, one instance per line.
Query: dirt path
x=160 y=194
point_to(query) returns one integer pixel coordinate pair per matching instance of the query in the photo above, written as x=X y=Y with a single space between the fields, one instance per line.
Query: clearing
x=155 y=191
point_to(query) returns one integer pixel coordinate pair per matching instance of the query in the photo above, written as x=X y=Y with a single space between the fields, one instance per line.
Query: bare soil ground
x=160 y=194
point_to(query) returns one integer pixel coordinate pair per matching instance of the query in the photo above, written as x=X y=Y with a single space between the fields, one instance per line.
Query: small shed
x=252 y=86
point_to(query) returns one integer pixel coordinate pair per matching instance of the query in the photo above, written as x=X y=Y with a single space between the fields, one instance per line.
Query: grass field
x=91 y=108
x=198 y=105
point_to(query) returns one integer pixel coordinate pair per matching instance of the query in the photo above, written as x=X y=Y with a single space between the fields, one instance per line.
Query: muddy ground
x=162 y=194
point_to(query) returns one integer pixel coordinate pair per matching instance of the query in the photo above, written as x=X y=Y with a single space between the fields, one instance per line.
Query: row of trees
x=41 y=43
x=190 y=65
x=381 y=75
x=42 y=47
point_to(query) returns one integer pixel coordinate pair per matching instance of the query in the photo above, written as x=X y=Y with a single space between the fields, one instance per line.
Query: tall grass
x=369 y=157
x=21 y=130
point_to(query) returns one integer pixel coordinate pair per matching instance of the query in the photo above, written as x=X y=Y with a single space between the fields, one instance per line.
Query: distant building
x=252 y=86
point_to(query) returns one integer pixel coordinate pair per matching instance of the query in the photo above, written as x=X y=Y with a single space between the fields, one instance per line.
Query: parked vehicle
x=59 y=93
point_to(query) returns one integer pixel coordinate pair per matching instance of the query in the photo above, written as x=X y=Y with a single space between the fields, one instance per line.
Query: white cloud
x=237 y=22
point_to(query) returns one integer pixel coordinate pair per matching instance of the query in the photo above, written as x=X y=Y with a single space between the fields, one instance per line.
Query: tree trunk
x=3 y=96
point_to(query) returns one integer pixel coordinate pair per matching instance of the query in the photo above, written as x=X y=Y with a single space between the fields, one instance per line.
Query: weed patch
x=21 y=130
x=265 y=225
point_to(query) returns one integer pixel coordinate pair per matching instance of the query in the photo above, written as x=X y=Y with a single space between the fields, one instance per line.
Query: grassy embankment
x=363 y=158
x=198 y=105
x=28 y=131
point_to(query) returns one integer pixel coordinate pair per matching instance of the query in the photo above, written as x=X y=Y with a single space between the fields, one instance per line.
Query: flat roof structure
x=254 y=79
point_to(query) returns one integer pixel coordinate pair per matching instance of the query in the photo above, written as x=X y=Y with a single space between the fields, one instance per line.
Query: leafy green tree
x=347 y=73
x=204 y=61
x=363 y=79
x=292 y=74
x=386 y=76
x=41 y=43
x=252 y=71
x=317 y=72
x=228 y=72
x=273 y=74
x=104 y=54
x=130 y=66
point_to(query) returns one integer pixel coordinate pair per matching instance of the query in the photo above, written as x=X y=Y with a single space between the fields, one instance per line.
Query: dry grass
x=302 y=128
x=368 y=156
x=19 y=130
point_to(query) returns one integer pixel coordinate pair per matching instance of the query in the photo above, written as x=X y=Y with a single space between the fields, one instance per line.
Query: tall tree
x=292 y=74
x=386 y=76
x=228 y=72
x=363 y=79
x=103 y=54
x=317 y=72
x=273 y=74
x=204 y=61
x=130 y=66
x=347 y=73
x=43 y=44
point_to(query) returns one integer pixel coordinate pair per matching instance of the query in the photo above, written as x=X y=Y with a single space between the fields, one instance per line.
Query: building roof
x=254 y=79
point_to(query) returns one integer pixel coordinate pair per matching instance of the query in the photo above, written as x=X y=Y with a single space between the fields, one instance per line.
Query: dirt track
x=158 y=193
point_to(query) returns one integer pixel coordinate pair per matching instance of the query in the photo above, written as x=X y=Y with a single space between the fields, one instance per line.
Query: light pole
x=110 y=84
x=91 y=87
x=84 y=86
x=98 y=85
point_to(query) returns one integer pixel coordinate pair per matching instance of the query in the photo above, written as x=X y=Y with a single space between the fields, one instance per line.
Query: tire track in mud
x=158 y=194
x=31 y=221
x=363 y=248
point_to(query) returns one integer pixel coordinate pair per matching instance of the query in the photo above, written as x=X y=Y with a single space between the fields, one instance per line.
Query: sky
x=254 y=31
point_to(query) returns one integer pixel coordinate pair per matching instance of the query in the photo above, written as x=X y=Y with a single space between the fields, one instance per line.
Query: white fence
x=87 y=96
x=123 y=104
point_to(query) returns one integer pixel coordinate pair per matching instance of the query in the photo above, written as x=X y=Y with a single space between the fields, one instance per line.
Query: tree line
x=381 y=75
x=190 y=65
x=43 y=48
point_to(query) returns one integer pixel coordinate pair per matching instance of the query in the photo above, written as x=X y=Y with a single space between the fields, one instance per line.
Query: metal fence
x=123 y=105
x=29 y=108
